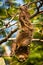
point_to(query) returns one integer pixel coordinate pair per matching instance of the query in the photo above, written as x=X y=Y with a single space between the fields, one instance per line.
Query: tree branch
x=38 y=12
x=4 y=27
x=35 y=14
x=28 y=4
x=8 y=36
x=37 y=7
x=11 y=19
x=33 y=40
x=8 y=24
x=40 y=40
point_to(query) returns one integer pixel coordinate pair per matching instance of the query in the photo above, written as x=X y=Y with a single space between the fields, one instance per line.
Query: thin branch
x=4 y=27
x=38 y=12
x=40 y=40
x=8 y=36
x=33 y=40
x=13 y=39
x=11 y=19
x=28 y=4
x=41 y=12
x=38 y=7
x=35 y=14
x=8 y=24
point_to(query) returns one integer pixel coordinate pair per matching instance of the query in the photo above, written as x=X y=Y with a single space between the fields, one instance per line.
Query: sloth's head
x=22 y=53
x=22 y=57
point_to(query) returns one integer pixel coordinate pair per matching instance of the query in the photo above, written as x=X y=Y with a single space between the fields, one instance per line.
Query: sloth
x=21 y=46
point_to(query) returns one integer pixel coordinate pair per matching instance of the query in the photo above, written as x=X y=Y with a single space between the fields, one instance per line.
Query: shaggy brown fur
x=24 y=35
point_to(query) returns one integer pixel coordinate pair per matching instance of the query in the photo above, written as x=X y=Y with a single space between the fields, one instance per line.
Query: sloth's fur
x=24 y=36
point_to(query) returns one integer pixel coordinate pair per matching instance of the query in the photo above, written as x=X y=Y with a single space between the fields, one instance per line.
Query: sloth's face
x=22 y=53
x=22 y=57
